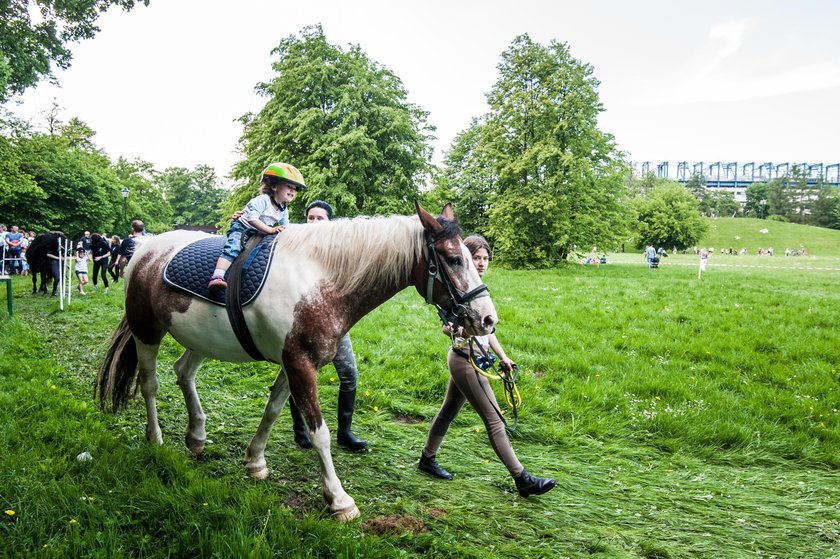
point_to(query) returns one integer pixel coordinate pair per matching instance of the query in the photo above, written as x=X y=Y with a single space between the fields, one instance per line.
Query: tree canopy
x=668 y=216
x=535 y=174
x=34 y=36
x=344 y=121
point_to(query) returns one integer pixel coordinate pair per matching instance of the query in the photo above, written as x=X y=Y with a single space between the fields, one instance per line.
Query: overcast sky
x=712 y=81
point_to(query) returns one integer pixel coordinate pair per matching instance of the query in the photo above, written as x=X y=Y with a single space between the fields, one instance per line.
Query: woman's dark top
x=100 y=249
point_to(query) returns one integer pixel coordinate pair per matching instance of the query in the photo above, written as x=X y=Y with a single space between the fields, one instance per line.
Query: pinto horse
x=323 y=280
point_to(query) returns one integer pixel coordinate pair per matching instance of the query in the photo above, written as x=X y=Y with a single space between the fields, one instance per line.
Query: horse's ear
x=448 y=212
x=429 y=222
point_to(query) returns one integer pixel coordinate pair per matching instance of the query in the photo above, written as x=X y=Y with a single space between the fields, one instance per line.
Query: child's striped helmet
x=285 y=172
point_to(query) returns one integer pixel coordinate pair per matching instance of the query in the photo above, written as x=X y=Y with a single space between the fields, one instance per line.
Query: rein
x=483 y=363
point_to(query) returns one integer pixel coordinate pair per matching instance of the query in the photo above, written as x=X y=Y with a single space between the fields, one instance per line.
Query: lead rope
x=507 y=375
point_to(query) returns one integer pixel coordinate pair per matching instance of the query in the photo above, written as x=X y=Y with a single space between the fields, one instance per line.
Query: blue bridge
x=722 y=174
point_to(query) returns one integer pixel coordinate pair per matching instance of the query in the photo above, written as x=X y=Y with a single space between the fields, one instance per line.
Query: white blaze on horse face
x=482 y=306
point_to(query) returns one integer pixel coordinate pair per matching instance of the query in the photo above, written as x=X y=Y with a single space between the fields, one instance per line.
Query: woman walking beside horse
x=466 y=384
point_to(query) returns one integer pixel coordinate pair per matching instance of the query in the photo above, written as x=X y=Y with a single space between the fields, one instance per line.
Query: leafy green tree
x=825 y=210
x=719 y=203
x=559 y=182
x=468 y=179
x=779 y=201
x=195 y=196
x=29 y=49
x=17 y=188
x=696 y=184
x=344 y=121
x=146 y=198
x=669 y=216
x=756 y=205
x=76 y=186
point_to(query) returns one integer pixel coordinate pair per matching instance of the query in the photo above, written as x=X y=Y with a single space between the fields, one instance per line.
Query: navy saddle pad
x=191 y=267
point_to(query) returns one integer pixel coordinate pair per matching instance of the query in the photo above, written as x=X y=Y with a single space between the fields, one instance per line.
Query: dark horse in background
x=39 y=262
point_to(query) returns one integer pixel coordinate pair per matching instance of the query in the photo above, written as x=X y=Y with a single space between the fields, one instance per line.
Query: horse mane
x=359 y=251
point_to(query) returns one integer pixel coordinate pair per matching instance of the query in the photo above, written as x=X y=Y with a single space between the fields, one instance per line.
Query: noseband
x=459 y=300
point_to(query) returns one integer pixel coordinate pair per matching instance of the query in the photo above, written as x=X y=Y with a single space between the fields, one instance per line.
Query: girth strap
x=233 y=302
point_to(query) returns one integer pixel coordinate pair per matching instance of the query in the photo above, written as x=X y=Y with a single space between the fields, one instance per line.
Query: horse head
x=451 y=281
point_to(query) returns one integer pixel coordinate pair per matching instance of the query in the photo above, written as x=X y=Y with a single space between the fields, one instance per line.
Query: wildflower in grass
x=53 y=387
x=477 y=430
x=9 y=512
x=73 y=521
x=375 y=408
x=332 y=379
x=367 y=393
x=204 y=504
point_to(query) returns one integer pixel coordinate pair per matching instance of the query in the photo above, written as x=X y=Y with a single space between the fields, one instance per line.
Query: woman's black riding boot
x=346 y=406
x=431 y=467
x=299 y=427
x=530 y=485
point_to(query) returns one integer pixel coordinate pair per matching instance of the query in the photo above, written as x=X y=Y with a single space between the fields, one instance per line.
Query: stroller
x=654 y=262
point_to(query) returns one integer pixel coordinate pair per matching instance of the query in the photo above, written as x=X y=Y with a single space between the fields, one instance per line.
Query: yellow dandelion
x=205 y=504
x=332 y=379
x=487 y=461
x=54 y=387
x=10 y=512
x=477 y=430
x=367 y=393
x=375 y=408
x=658 y=398
x=73 y=521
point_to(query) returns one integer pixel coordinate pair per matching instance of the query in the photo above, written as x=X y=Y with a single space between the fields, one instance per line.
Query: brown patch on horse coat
x=149 y=302
x=319 y=323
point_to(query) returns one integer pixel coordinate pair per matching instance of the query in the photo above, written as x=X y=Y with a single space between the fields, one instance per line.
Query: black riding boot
x=346 y=438
x=299 y=427
x=431 y=467
x=530 y=485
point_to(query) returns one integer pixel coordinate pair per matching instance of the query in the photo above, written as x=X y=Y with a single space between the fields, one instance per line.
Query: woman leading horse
x=322 y=281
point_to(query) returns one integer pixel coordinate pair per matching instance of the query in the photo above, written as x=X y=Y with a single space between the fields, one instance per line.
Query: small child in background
x=81 y=268
x=266 y=212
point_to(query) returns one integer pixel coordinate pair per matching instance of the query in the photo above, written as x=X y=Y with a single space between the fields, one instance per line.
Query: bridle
x=459 y=300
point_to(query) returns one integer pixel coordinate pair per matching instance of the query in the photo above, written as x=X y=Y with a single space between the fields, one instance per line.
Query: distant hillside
x=725 y=232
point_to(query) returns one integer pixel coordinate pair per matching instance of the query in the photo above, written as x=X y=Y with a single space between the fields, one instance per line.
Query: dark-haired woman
x=100 y=253
x=465 y=384
x=113 y=267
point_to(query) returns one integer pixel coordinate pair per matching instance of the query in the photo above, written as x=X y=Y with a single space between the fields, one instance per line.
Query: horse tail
x=117 y=378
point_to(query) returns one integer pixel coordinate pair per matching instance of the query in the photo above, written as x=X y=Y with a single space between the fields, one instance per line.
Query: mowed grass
x=682 y=417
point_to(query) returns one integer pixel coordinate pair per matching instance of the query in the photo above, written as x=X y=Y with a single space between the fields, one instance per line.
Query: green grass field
x=682 y=418
x=752 y=234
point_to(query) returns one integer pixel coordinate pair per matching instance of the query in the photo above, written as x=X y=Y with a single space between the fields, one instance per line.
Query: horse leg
x=255 y=453
x=147 y=378
x=185 y=369
x=305 y=392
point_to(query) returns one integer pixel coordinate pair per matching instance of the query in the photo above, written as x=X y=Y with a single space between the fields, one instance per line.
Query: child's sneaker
x=217 y=283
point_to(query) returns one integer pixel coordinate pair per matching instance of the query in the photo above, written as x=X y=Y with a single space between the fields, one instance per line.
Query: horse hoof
x=259 y=472
x=196 y=446
x=347 y=514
